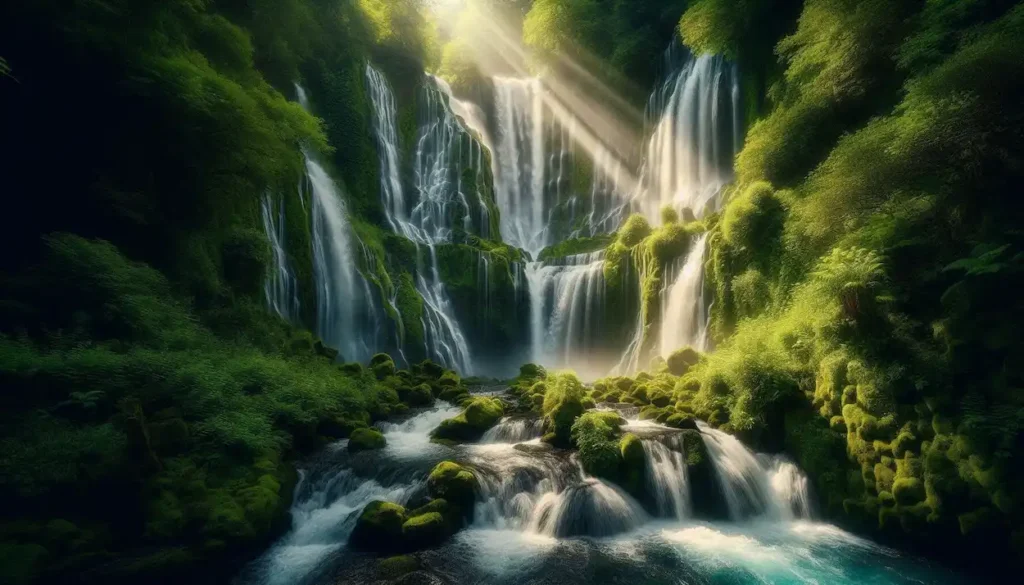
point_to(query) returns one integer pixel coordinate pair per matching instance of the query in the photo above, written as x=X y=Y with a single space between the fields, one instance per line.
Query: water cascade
x=280 y=288
x=427 y=219
x=565 y=311
x=755 y=486
x=347 y=316
x=695 y=114
x=684 y=314
x=667 y=476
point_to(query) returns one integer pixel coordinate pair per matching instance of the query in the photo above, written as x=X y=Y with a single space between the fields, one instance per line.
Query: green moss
x=908 y=491
x=480 y=414
x=365 y=439
x=420 y=395
x=681 y=360
x=425 y=530
x=453 y=483
x=563 y=403
x=596 y=434
x=574 y=246
x=379 y=527
x=382 y=366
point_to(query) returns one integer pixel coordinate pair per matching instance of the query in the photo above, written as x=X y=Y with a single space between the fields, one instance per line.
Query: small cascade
x=792 y=488
x=667 y=476
x=755 y=486
x=589 y=508
x=514 y=430
x=428 y=219
x=281 y=288
x=566 y=302
x=684 y=316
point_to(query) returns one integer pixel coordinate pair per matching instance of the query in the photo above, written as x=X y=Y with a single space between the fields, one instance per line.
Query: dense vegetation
x=865 y=268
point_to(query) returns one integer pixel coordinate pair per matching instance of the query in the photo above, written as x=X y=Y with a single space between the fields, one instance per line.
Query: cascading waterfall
x=565 y=305
x=347 y=317
x=667 y=476
x=514 y=430
x=695 y=136
x=755 y=486
x=521 y=154
x=280 y=288
x=684 y=315
x=427 y=220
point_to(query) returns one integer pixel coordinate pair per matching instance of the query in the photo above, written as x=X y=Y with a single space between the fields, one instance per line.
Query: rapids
x=540 y=519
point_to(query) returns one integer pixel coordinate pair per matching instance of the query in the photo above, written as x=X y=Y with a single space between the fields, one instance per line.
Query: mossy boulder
x=428 y=369
x=908 y=491
x=480 y=414
x=563 y=403
x=633 y=464
x=382 y=366
x=425 y=530
x=379 y=527
x=365 y=439
x=453 y=394
x=450 y=378
x=454 y=484
x=681 y=360
x=596 y=434
x=682 y=420
x=416 y=395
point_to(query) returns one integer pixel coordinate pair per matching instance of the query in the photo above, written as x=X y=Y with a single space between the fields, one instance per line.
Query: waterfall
x=695 y=135
x=566 y=299
x=684 y=316
x=755 y=486
x=280 y=288
x=667 y=476
x=346 y=316
x=521 y=164
x=426 y=220
x=589 y=508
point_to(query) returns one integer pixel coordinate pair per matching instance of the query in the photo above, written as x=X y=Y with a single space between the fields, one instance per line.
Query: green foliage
x=563 y=403
x=574 y=246
x=596 y=435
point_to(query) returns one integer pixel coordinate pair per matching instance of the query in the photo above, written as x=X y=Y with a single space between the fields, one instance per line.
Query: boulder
x=416 y=395
x=481 y=413
x=682 y=360
x=379 y=527
x=365 y=439
x=453 y=483
x=382 y=366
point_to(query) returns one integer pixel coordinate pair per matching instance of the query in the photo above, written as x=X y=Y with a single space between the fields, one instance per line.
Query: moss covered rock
x=382 y=366
x=365 y=439
x=416 y=395
x=596 y=434
x=454 y=484
x=563 y=403
x=425 y=530
x=633 y=466
x=379 y=527
x=480 y=414
x=681 y=360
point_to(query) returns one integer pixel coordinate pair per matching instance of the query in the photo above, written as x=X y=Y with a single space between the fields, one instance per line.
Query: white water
x=346 y=318
x=684 y=316
x=667 y=477
x=566 y=302
x=327 y=504
x=753 y=486
x=514 y=430
x=425 y=220
x=280 y=289
x=695 y=137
